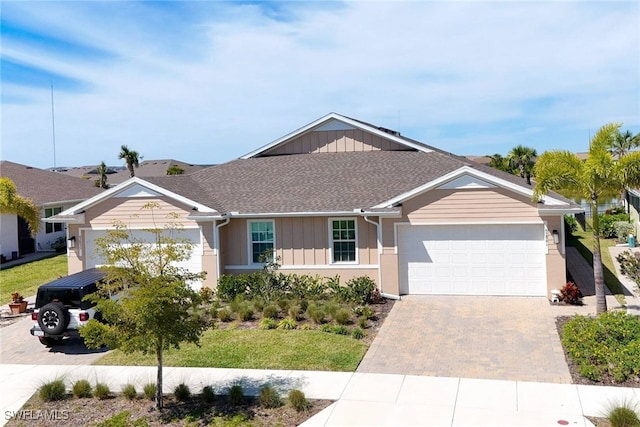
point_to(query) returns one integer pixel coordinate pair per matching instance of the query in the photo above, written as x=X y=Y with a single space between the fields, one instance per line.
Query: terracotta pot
x=18 y=307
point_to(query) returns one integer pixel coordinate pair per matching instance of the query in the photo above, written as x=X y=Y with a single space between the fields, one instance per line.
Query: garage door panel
x=504 y=259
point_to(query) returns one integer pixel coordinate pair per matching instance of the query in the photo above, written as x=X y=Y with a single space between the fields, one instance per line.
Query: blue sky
x=206 y=82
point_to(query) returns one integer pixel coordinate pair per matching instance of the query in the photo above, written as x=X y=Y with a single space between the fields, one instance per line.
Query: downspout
x=379 y=239
x=217 y=243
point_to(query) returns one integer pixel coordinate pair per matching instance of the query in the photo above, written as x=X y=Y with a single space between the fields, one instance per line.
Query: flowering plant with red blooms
x=571 y=294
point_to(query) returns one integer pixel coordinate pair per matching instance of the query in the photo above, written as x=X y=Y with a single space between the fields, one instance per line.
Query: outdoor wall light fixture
x=556 y=237
x=71 y=242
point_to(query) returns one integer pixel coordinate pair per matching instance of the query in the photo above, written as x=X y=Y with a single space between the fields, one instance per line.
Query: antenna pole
x=53 y=125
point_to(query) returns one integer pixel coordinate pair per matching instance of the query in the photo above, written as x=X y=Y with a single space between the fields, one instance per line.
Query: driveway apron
x=505 y=338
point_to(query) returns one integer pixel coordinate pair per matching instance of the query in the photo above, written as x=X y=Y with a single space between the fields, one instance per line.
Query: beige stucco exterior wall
x=302 y=245
x=556 y=258
x=130 y=211
x=494 y=205
x=336 y=141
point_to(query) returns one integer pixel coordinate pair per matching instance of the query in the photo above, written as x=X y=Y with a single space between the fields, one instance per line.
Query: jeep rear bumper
x=37 y=332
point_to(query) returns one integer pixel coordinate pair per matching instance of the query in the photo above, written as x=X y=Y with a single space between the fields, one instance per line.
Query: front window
x=262 y=241
x=343 y=235
x=52 y=227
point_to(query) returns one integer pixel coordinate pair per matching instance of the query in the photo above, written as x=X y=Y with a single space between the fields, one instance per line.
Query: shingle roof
x=44 y=187
x=321 y=182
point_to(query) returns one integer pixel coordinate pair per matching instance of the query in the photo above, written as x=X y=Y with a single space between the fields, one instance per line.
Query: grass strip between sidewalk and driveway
x=26 y=278
x=583 y=242
x=257 y=349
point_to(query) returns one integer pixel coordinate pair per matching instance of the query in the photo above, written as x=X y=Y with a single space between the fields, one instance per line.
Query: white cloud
x=221 y=80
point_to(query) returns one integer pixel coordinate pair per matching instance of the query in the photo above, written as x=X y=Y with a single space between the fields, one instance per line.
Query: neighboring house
x=118 y=175
x=343 y=197
x=633 y=202
x=52 y=193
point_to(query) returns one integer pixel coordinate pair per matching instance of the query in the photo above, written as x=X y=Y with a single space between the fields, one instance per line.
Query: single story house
x=633 y=202
x=52 y=193
x=343 y=197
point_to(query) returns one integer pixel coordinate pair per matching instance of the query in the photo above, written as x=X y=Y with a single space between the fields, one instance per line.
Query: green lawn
x=257 y=349
x=583 y=241
x=26 y=278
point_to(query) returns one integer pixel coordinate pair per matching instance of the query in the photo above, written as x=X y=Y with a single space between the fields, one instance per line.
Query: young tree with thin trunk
x=522 y=158
x=156 y=308
x=11 y=202
x=600 y=176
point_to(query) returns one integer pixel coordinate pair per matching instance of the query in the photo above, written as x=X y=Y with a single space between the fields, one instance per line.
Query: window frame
x=250 y=240
x=332 y=241
x=52 y=227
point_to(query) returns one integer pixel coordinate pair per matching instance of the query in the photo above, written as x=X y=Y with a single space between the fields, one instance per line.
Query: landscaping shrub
x=270 y=311
x=364 y=311
x=342 y=316
x=268 y=323
x=615 y=210
x=340 y=330
x=288 y=323
x=231 y=286
x=102 y=391
x=208 y=394
x=53 y=390
x=269 y=397
x=82 y=389
x=605 y=345
x=206 y=294
x=623 y=416
x=283 y=303
x=361 y=289
x=237 y=302
x=363 y=323
x=316 y=314
x=571 y=294
x=331 y=308
x=326 y=328
x=236 y=395
x=630 y=266
x=258 y=304
x=245 y=312
x=298 y=401
x=607 y=223
x=623 y=229
x=295 y=312
x=182 y=392
x=357 y=333
x=571 y=223
x=129 y=391
x=225 y=315
x=149 y=391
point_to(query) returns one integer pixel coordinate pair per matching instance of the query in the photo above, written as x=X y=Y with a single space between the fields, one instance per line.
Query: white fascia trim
x=71 y=219
x=543 y=211
x=129 y=183
x=307 y=267
x=139 y=227
x=342 y=119
x=319 y=213
x=205 y=217
x=60 y=202
x=466 y=170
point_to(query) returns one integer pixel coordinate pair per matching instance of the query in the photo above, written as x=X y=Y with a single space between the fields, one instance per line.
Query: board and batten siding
x=300 y=241
x=335 y=141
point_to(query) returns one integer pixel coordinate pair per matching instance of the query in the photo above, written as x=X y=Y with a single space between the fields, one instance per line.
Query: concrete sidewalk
x=362 y=399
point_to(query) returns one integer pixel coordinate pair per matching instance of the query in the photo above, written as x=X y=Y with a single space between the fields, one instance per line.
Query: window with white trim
x=343 y=237
x=52 y=227
x=262 y=241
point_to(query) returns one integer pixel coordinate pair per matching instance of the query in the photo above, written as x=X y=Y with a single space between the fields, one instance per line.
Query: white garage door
x=506 y=259
x=193 y=264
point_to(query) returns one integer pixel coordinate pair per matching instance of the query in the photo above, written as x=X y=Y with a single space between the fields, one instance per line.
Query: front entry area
x=474 y=259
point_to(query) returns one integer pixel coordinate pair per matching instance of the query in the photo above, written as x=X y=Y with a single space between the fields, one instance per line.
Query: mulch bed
x=195 y=412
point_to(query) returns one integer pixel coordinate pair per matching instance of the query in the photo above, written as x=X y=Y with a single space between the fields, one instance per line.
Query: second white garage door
x=505 y=259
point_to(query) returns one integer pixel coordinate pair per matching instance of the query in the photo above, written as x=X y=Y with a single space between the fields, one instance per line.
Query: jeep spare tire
x=53 y=318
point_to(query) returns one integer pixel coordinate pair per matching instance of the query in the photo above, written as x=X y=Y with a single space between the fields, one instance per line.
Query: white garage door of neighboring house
x=505 y=259
x=194 y=263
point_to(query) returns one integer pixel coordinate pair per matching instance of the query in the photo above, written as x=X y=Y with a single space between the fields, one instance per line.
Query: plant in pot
x=18 y=304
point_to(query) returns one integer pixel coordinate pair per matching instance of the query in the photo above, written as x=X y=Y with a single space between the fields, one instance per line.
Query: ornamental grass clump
x=208 y=394
x=298 y=401
x=182 y=392
x=129 y=391
x=236 y=395
x=102 y=391
x=269 y=397
x=82 y=389
x=149 y=390
x=53 y=390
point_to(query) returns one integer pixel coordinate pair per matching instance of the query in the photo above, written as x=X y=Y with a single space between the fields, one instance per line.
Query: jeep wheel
x=53 y=318
x=49 y=341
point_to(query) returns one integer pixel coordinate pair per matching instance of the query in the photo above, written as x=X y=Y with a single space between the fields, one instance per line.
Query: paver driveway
x=507 y=338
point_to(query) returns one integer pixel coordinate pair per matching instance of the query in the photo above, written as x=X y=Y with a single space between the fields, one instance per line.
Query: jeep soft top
x=71 y=289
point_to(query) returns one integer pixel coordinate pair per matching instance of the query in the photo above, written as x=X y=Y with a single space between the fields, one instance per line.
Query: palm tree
x=498 y=162
x=522 y=158
x=102 y=172
x=600 y=176
x=131 y=157
x=11 y=202
x=623 y=143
